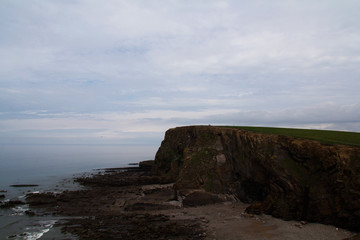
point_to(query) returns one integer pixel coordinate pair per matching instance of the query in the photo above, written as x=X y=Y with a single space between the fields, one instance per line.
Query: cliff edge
x=283 y=176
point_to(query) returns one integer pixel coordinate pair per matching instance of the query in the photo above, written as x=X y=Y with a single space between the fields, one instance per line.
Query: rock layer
x=283 y=176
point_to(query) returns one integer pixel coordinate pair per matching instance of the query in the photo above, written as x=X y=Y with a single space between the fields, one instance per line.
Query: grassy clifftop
x=323 y=136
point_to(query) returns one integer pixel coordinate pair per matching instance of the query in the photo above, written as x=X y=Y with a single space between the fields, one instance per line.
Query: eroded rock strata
x=283 y=176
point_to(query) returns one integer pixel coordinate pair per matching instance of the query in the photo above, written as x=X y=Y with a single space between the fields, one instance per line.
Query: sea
x=52 y=168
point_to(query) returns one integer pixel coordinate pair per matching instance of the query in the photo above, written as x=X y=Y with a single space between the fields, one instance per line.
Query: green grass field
x=324 y=136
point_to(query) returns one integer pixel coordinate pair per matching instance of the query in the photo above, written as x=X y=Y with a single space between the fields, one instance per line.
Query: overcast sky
x=124 y=71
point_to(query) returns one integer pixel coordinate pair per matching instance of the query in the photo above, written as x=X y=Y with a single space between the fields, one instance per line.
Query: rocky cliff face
x=282 y=176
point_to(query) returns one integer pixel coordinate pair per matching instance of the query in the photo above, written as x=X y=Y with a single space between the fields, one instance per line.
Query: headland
x=219 y=183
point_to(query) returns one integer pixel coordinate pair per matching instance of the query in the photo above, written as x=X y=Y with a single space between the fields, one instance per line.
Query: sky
x=125 y=71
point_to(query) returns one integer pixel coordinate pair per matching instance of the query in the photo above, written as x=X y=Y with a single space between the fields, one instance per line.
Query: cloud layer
x=125 y=71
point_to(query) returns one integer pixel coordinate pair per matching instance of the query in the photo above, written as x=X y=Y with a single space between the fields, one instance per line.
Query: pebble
x=298 y=225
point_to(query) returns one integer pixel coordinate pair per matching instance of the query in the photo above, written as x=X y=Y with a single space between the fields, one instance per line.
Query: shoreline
x=18 y=221
x=133 y=204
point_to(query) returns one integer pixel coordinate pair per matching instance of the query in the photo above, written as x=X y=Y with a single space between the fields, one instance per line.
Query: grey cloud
x=291 y=63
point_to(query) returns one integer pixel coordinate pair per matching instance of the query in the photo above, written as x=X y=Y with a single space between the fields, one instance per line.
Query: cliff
x=283 y=176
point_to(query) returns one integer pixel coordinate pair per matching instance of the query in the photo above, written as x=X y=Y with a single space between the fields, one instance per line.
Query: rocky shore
x=118 y=204
x=135 y=204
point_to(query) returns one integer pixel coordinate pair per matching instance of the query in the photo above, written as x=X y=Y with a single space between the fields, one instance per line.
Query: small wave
x=19 y=210
x=35 y=232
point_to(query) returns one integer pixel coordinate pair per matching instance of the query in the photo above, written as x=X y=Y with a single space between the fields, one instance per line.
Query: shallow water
x=20 y=227
x=52 y=168
x=15 y=224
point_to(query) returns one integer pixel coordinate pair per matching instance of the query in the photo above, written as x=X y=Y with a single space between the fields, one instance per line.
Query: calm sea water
x=52 y=167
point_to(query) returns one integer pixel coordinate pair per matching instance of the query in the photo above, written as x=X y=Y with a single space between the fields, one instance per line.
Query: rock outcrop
x=283 y=176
